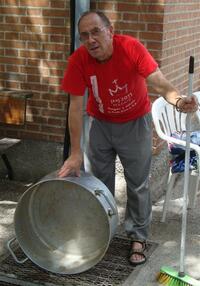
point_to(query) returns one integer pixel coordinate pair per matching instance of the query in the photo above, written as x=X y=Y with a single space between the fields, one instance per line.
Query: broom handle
x=186 y=175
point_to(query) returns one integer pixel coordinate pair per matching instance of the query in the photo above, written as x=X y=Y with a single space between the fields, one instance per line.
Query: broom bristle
x=170 y=277
x=167 y=280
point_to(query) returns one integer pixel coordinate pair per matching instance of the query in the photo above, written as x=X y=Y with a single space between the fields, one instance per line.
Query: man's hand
x=187 y=104
x=71 y=166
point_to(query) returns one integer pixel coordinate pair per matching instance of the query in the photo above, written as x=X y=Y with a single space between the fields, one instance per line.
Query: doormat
x=112 y=270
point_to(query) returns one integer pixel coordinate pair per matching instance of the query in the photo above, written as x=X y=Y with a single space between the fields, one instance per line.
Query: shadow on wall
x=35 y=58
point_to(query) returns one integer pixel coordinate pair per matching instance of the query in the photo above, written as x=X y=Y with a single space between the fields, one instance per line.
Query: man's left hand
x=187 y=104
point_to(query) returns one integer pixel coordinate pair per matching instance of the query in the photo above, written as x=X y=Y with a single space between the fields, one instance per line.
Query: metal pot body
x=65 y=225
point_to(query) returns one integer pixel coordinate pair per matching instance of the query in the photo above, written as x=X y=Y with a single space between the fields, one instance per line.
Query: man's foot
x=136 y=255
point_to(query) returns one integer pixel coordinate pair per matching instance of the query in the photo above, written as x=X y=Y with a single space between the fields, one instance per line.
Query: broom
x=167 y=275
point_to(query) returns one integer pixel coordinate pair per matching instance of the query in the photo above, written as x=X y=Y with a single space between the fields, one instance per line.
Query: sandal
x=139 y=251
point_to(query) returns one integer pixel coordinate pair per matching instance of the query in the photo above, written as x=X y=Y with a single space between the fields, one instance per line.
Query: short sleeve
x=73 y=81
x=144 y=61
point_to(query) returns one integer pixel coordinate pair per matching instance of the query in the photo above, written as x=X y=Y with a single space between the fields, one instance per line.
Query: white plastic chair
x=166 y=121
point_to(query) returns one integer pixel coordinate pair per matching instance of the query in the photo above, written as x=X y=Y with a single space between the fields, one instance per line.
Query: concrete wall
x=32 y=160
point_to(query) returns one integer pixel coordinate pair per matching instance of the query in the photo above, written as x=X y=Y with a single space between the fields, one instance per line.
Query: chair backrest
x=166 y=119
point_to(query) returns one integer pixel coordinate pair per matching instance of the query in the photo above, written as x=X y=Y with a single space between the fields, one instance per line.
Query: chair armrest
x=193 y=146
x=171 y=139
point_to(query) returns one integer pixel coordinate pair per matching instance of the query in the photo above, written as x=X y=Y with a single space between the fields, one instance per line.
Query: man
x=115 y=69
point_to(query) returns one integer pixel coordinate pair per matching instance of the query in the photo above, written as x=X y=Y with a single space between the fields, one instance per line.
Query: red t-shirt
x=117 y=88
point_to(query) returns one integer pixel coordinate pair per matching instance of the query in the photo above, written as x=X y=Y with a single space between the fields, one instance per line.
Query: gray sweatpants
x=132 y=142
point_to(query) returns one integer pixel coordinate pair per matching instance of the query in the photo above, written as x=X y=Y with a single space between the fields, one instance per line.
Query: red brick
x=14 y=44
x=149 y=18
x=12 y=19
x=155 y=27
x=34 y=63
x=57 y=38
x=56 y=105
x=34 y=11
x=2 y=68
x=58 y=4
x=54 y=113
x=13 y=85
x=54 y=56
x=33 y=78
x=55 y=122
x=34 y=20
x=56 y=13
x=34 y=45
x=34 y=87
x=54 y=47
x=106 y=5
x=130 y=26
x=150 y=36
x=56 y=72
x=15 y=28
x=158 y=8
x=34 y=70
x=12 y=36
x=32 y=126
x=13 y=3
x=57 y=97
x=130 y=17
x=12 y=11
x=51 y=81
x=131 y=6
x=33 y=54
x=34 y=37
x=37 y=119
x=15 y=61
x=11 y=52
x=57 y=22
x=55 y=30
x=38 y=3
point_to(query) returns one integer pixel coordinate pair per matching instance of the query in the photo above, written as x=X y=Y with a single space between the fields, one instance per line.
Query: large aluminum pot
x=65 y=225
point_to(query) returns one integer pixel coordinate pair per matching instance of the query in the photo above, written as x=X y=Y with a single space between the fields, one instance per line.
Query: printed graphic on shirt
x=93 y=80
x=117 y=88
x=122 y=99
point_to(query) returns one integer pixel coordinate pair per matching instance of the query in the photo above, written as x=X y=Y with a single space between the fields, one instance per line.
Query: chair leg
x=193 y=188
x=170 y=184
x=8 y=166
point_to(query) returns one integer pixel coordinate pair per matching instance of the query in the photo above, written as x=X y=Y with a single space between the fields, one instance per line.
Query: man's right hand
x=71 y=166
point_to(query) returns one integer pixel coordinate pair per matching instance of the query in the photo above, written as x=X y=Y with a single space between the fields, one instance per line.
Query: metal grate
x=112 y=270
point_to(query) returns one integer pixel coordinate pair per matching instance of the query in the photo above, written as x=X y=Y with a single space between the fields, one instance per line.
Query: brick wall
x=181 y=39
x=35 y=43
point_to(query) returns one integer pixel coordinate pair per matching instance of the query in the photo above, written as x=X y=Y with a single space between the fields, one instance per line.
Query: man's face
x=96 y=37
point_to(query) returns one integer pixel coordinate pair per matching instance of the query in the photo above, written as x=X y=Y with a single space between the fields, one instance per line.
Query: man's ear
x=111 y=29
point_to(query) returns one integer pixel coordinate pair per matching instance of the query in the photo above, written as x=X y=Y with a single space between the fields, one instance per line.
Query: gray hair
x=101 y=15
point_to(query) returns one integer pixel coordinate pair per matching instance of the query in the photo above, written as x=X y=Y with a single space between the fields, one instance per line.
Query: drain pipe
x=77 y=7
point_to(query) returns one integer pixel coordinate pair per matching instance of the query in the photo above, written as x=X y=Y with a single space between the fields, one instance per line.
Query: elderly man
x=115 y=69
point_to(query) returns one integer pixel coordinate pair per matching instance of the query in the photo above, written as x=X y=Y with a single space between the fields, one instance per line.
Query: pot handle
x=112 y=210
x=12 y=253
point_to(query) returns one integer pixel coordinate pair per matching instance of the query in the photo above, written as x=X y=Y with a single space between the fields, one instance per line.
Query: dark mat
x=112 y=270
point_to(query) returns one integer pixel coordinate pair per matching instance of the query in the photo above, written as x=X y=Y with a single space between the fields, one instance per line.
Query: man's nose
x=90 y=38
